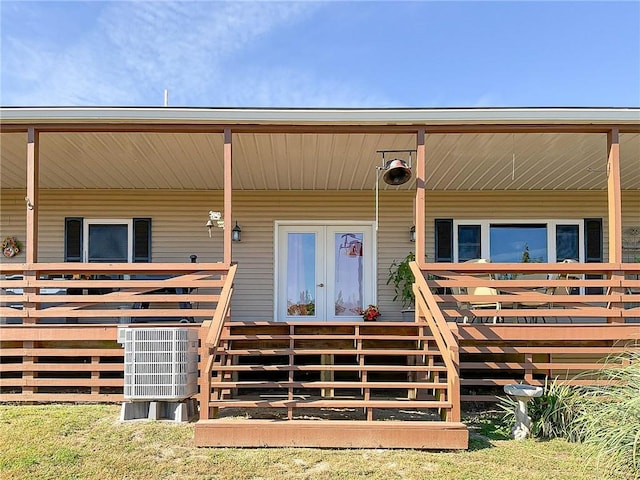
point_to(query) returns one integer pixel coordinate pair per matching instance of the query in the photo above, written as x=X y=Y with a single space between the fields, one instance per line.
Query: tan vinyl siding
x=179 y=219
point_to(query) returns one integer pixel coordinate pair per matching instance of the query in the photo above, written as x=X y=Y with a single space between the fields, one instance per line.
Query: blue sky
x=320 y=54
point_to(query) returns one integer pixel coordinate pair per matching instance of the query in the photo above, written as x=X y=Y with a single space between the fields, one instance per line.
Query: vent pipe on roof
x=166 y=97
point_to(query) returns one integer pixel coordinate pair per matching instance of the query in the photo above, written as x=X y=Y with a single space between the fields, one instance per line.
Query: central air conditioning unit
x=160 y=364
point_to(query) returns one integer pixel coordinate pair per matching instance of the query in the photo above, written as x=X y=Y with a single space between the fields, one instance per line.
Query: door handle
x=320 y=285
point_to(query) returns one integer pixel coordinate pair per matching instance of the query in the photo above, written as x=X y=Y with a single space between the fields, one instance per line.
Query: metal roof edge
x=354 y=116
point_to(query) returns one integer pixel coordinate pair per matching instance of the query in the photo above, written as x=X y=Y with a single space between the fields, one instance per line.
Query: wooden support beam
x=613 y=196
x=33 y=190
x=614 y=202
x=32 y=206
x=227 y=196
x=420 y=196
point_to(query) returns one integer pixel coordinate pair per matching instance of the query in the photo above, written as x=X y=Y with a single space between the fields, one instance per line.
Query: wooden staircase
x=337 y=384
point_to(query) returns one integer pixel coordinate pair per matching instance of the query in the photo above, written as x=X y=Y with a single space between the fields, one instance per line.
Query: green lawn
x=88 y=442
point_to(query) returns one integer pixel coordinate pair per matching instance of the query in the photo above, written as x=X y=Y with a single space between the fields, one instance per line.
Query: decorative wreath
x=10 y=247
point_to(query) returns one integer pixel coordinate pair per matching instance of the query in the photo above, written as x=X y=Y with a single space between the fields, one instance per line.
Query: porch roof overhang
x=318 y=149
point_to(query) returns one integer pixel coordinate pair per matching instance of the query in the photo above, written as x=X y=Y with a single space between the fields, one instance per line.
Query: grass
x=87 y=442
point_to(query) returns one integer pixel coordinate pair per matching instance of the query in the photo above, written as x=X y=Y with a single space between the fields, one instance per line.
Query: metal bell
x=397 y=172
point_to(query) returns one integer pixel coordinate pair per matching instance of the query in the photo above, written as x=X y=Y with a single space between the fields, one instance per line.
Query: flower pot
x=409 y=315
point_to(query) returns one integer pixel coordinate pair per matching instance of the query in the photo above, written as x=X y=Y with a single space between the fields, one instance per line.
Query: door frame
x=323 y=223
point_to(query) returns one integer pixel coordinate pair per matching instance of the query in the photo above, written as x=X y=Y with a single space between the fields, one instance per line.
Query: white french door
x=324 y=271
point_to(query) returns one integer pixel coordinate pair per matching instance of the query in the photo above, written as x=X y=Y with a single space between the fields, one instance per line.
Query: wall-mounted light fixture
x=412 y=233
x=236 y=233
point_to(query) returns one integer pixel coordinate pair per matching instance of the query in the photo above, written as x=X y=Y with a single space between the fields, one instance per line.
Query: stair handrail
x=222 y=309
x=213 y=330
x=447 y=343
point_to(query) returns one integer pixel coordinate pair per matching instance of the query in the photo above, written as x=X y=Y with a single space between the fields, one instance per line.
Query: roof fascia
x=299 y=116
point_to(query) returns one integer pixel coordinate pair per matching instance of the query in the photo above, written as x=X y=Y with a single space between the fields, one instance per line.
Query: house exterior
x=99 y=198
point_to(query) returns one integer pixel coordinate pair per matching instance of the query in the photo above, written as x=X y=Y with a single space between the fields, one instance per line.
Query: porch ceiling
x=298 y=161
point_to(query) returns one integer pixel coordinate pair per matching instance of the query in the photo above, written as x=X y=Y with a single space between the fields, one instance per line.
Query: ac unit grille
x=159 y=363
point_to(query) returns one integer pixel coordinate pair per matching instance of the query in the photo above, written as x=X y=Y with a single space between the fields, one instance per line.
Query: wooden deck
x=340 y=384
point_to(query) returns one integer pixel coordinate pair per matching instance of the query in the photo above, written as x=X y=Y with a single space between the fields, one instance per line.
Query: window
x=107 y=241
x=469 y=242
x=509 y=241
x=515 y=243
x=104 y=240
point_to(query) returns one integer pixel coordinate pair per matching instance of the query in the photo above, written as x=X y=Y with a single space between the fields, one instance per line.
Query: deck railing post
x=616 y=307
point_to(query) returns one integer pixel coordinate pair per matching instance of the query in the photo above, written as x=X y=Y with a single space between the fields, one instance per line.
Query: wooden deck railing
x=493 y=355
x=58 y=337
x=109 y=292
x=533 y=322
x=536 y=292
x=427 y=311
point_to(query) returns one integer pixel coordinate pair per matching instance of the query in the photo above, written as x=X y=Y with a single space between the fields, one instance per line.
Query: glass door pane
x=301 y=274
x=348 y=286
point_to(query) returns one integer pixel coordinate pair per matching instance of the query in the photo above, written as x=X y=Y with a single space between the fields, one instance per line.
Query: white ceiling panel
x=293 y=161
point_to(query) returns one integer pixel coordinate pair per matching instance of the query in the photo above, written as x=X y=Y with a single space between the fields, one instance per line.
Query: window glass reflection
x=513 y=243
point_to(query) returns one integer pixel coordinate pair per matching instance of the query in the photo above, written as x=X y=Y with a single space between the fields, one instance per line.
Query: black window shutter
x=73 y=239
x=593 y=240
x=593 y=250
x=444 y=240
x=141 y=240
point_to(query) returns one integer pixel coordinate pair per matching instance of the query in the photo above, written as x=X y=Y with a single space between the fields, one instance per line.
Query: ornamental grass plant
x=604 y=417
x=607 y=417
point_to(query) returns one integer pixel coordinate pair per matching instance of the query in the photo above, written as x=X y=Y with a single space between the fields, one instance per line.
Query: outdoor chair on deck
x=545 y=291
x=551 y=290
x=479 y=291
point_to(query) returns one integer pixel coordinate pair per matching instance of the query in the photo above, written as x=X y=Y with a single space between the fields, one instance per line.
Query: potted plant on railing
x=402 y=279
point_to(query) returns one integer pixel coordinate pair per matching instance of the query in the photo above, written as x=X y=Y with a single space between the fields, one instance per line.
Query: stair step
x=332 y=351
x=327 y=385
x=325 y=337
x=331 y=434
x=328 y=403
x=333 y=368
